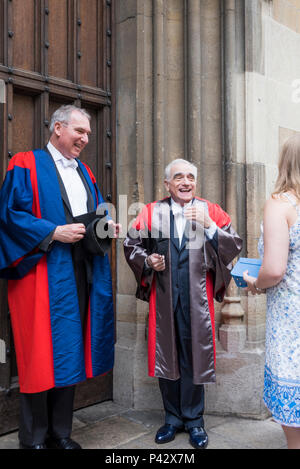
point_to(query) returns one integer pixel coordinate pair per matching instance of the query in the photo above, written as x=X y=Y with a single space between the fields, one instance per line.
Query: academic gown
x=209 y=276
x=52 y=350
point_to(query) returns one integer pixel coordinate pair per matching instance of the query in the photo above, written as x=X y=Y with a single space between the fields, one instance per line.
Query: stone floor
x=109 y=426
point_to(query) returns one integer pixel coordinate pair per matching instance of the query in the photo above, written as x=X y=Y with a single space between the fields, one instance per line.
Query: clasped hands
x=74 y=232
x=198 y=214
x=191 y=213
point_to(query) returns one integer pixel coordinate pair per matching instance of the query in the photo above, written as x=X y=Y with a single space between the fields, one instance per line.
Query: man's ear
x=166 y=183
x=57 y=128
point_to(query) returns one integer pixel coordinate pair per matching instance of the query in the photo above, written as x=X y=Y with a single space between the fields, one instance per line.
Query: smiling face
x=182 y=183
x=70 y=139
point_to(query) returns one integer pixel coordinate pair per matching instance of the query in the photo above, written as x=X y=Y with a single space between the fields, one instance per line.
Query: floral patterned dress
x=282 y=367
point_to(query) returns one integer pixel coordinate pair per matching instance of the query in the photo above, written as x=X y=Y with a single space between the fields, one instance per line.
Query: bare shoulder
x=277 y=204
x=279 y=211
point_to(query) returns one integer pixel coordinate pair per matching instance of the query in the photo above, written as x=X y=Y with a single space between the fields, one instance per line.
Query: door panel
x=91 y=42
x=58 y=32
x=23 y=123
x=54 y=52
x=23 y=30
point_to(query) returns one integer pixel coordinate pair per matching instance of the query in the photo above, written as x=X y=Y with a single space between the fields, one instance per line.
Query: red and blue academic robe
x=209 y=276
x=51 y=348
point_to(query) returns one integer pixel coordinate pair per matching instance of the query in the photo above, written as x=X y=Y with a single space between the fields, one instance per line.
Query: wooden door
x=54 y=52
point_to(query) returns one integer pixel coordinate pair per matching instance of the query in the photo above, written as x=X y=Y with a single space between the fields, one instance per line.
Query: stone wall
x=213 y=81
x=287 y=12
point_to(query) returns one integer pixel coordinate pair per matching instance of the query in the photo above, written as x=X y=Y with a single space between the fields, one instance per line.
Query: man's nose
x=85 y=138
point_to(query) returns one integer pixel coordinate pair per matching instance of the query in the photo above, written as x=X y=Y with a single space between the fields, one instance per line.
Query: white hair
x=63 y=115
x=178 y=161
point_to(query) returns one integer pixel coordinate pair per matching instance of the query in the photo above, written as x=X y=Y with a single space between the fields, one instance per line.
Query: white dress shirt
x=179 y=218
x=74 y=186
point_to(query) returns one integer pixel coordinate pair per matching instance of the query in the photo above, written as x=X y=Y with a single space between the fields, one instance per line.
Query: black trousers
x=51 y=412
x=47 y=413
x=183 y=401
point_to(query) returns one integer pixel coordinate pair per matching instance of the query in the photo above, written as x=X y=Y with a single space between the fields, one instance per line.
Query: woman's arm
x=276 y=246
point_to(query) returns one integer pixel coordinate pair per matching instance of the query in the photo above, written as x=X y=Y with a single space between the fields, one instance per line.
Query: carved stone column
x=159 y=95
x=193 y=81
x=232 y=333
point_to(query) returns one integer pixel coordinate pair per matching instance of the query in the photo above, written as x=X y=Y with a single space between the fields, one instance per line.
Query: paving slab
x=153 y=418
x=253 y=434
x=9 y=441
x=98 y=412
x=108 y=433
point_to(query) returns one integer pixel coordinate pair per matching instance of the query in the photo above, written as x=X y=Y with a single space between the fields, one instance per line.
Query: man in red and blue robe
x=60 y=296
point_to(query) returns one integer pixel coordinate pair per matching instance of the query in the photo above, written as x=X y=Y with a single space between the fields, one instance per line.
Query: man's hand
x=117 y=227
x=156 y=262
x=198 y=214
x=71 y=233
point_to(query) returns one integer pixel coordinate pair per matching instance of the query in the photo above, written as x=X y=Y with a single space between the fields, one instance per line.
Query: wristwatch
x=260 y=290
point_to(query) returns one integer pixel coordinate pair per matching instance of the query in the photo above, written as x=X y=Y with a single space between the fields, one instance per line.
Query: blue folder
x=252 y=265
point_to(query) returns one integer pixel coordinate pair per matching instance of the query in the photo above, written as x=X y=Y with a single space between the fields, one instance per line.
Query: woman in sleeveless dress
x=279 y=276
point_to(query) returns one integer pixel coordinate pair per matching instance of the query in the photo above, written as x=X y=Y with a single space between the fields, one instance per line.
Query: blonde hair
x=289 y=168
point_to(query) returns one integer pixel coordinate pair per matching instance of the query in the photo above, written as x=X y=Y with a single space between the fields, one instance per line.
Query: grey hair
x=63 y=115
x=179 y=160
